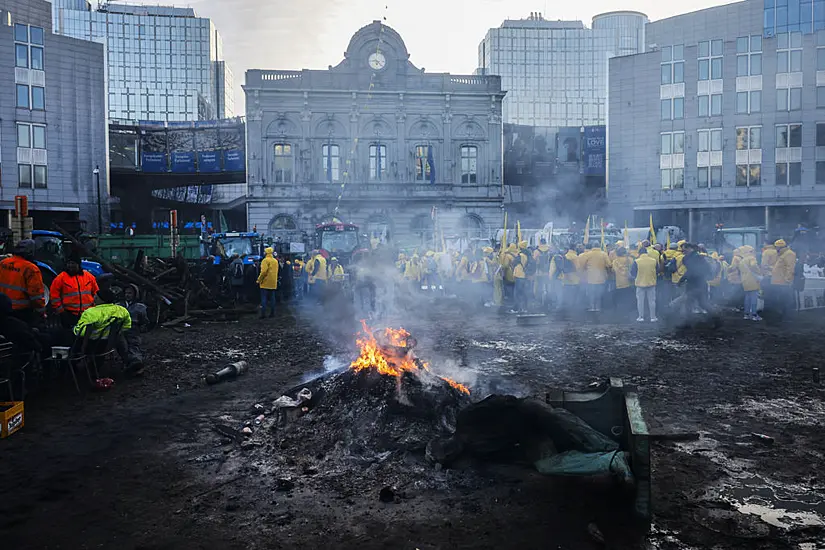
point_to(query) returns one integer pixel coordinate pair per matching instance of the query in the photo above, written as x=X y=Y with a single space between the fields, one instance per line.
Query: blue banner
x=183 y=162
x=234 y=161
x=154 y=162
x=209 y=161
x=595 y=150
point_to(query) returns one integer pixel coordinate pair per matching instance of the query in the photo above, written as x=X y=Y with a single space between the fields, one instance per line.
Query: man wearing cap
x=22 y=282
x=72 y=292
x=268 y=281
x=782 y=277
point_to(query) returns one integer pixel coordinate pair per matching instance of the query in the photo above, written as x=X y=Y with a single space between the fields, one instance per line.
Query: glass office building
x=555 y=72
x=803 y=16
x=164 y=63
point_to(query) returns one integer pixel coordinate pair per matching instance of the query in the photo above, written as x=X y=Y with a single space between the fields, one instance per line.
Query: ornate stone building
x=377 y=142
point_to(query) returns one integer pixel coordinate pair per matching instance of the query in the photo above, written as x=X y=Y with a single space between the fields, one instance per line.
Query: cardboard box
x=11 y=417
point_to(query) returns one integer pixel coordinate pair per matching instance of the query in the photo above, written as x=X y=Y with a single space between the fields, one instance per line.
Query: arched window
x=469 y=164
x=422 y=228
x=423 y=161
x=378 y=162
x=471 y=226
x=283 y=228
x=282 y=163
x=332 y=162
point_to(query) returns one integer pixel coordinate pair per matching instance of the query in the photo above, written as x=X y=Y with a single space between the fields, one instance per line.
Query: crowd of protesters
x=592 y=277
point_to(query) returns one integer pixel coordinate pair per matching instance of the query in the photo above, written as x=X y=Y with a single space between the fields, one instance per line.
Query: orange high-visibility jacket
x=22 y=282
x=74 y=294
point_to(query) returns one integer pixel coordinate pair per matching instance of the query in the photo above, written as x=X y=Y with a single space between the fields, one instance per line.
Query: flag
x=667 y=245
x=587 y=231
x=626 y=235
x=603 y=234
x=224 y=225
x=431 y=164
x=652 y=231
x=518 y=232
x=503 y=240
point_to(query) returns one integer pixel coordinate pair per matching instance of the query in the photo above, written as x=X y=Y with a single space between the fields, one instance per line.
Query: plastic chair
x=15 y=363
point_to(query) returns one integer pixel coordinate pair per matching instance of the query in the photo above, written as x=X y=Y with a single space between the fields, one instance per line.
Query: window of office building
x=28 y=47
x=673 y=109
x=710 y=105
x=820 y=134
x=749 y=102
x=378 y=162
x=788 y=52
x=710 y=59
x=673 y=64
x=23 y=100
x=469 y=164
x=749 y=55
x=672 y=158
x=788 y=99
x=332 y=162
x=709 y=157
x=282 y=163
x=788 y=165
x=748 y=165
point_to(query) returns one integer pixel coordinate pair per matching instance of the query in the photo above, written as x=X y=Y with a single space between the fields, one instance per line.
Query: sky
x=441 y=35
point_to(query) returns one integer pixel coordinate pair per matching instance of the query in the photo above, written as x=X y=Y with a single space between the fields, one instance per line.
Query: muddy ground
x=141 y=466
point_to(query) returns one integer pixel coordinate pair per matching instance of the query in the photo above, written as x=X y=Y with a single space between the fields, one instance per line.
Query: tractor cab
x=340 y=240
x=247 y=245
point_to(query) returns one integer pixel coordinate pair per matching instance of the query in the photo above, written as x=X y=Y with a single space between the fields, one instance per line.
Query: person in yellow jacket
x=412 y=271
x=782 y=276
x=749 y=273
x=715 y=284
x=401 y=263
x=318 y=275
x=621 y=268
x=643 y=272
x=595 y=264
x=521 y=284
x=570 y=279
x=769 y=255
x=336 y=271
x=268 y=281
x=98 y=321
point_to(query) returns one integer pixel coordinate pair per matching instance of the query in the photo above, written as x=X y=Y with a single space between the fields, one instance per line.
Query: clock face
x=377 y=61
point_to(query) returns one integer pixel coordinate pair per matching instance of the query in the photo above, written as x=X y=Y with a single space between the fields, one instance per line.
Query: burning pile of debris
x=387 y=400
x=389 y=418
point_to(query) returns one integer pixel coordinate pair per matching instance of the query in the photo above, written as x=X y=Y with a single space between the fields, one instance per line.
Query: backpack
x=567 y=265
x=672 y=266
x=543 y=264
x=531 y=266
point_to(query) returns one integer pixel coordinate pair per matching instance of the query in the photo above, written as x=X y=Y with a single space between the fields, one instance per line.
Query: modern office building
x=164 y=63
x=52 y=119
x=375 y=141
x=555 y=72
x=722 y=119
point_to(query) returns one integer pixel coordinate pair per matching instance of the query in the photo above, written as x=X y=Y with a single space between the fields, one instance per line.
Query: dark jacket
x=698 y=270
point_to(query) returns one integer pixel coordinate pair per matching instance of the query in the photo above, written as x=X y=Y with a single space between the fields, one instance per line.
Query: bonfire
x=390 y=353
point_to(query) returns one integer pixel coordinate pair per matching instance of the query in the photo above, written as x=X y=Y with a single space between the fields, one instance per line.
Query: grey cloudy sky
x=441 y=35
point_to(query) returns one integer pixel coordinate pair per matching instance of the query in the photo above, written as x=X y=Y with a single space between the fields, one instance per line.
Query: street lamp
x=96 y=173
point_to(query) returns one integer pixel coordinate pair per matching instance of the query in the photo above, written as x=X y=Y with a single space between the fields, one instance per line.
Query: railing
x=473 y=80
x=280 y=75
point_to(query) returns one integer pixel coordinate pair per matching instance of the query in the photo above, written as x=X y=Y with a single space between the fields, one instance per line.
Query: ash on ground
x=359 y=427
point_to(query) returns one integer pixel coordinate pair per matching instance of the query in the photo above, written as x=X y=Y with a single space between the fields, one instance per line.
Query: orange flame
x=395 y=358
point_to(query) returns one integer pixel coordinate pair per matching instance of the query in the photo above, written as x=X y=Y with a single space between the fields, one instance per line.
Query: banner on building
x=595 y=150
x=154 y=150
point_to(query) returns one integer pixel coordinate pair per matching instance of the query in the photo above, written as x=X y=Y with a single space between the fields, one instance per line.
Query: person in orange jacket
x=72 y=292
x=22 y=282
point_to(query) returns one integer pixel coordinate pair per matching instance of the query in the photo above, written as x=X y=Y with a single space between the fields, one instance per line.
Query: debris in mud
x=387 y=494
